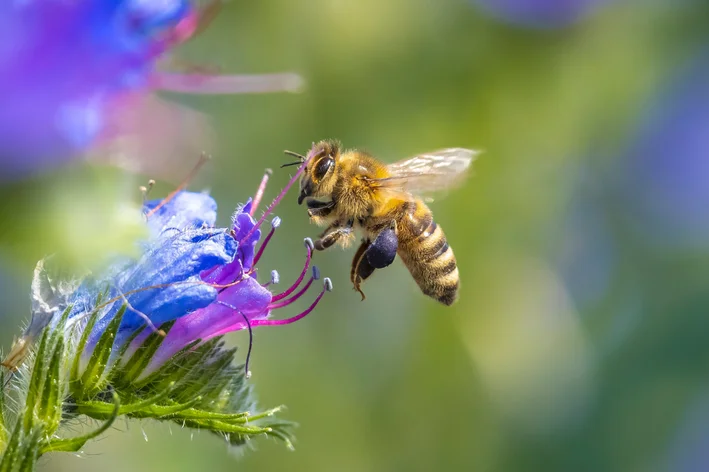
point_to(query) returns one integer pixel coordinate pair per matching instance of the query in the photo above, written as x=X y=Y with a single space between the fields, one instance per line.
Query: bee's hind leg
x=361 y=268
x=373 y=255
x=382 y=251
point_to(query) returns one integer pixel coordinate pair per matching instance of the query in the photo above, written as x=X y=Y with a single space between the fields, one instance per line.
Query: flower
x=540 y=13
x=201 y=277
x=72 y=71
x=663 y=176
x=143 y=337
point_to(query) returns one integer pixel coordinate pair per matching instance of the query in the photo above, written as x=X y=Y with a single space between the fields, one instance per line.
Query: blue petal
x=185 y=210
x=172 y=266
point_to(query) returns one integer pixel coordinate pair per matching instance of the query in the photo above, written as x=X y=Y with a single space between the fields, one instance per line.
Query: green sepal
x=129 y=373
x=49 y=410
x=11 y=455
x=75 y=444
x=93 y=380
x=3 y=430
x=30 y=449
x=37 y=379
x=75 y=375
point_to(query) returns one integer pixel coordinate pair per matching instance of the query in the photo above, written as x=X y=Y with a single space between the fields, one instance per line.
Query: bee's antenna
x=295 y=154
x=296 y=163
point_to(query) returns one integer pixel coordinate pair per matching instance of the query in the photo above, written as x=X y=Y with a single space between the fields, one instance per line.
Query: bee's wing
x=431 y=172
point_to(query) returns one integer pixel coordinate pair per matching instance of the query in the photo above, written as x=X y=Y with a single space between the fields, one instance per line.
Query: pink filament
x=293 y=298
x=255 y=323
x=263 y=246
x=292 y=288
x=226 y=84
x=277 y=200
x=259 y=192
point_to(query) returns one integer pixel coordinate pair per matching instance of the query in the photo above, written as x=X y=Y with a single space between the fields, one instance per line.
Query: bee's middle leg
x=332 y=234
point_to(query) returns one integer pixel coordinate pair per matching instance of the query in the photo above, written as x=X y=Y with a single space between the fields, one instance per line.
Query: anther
x=275 y=278
x=145 y=190
x=309 y=244
x=275 y=222
x=328 y=284
x=316 y=273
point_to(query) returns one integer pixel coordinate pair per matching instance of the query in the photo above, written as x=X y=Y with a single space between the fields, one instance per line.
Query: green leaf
x=75 y=444
x=93 y=381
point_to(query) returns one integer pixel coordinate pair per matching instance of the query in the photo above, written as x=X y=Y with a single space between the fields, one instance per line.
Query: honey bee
x=350 y=190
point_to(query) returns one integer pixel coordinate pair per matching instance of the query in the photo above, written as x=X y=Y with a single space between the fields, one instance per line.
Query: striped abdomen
x=425 y=251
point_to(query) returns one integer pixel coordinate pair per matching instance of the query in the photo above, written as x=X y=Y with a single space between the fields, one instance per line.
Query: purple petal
x=248 y=297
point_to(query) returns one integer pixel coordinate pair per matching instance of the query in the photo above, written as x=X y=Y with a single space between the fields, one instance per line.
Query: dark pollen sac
x=383 y=250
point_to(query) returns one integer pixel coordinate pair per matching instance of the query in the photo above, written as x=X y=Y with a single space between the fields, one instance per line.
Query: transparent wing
x=431 y=172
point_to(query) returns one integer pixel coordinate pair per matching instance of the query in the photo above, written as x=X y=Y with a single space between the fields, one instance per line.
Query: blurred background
x=580 y=338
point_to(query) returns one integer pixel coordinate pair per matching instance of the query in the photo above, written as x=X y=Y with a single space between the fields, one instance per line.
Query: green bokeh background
x=517 y=376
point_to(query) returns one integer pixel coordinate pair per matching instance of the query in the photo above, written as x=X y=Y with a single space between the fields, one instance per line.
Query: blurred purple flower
x=540 y=13
x=665 y=178
x=68 y=68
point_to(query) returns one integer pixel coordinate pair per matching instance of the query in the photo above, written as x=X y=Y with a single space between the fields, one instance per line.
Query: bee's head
x=319 y=176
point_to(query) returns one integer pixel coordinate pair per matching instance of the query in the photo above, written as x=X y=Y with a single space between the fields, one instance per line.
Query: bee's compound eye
x=322 y=167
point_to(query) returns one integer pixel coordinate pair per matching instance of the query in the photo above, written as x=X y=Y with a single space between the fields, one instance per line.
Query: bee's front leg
x=333 y=233
x=318 y=209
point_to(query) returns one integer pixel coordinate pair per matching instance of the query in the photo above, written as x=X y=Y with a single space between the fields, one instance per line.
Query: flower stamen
x=260 y=190
x=315 y=276
x=275 y=223
x=247 y=372
x=309 y=246
x=278 y=199
x=327 y=287
x=145 y=190
x=143 y=316
x=202 y=159
x=275 y=278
